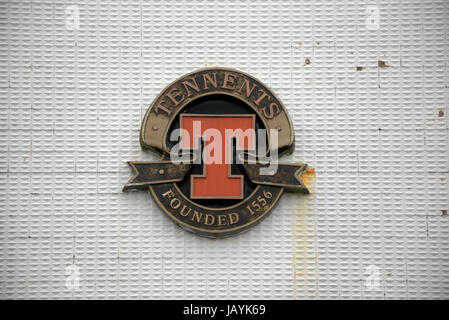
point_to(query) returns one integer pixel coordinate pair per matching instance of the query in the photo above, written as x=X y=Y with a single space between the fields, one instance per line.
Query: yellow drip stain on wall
x=305 y=260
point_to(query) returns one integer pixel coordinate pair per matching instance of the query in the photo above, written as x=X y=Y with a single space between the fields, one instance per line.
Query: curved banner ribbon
x=287 y=175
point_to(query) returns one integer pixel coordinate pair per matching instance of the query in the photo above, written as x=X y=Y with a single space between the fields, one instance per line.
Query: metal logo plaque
x=219 y=132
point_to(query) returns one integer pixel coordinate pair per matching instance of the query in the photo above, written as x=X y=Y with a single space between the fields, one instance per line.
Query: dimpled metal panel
x=365 y=83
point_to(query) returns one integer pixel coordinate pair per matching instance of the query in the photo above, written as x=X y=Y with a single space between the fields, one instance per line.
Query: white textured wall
x=71 y=104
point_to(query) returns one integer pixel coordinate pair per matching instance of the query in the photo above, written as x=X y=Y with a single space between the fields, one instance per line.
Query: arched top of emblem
x=213 y=81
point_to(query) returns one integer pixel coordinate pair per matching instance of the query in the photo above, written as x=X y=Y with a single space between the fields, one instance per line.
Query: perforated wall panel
x=366 y=85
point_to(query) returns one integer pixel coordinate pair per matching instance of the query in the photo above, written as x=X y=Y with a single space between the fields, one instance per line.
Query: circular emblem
x=219 y=132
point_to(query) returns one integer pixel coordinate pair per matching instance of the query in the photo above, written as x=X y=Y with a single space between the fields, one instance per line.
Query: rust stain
x=382 y=64
x=305 y=278
x=309 y=179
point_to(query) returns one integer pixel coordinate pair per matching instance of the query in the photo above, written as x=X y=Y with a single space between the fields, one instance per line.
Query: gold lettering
x=182 y=211
x=173 y=94
x=175 y=206
x=196 y=215
x=233 y=218
x=248 y=90
x=192 y=85
x=221 y=220
x=165 y=109
x=206 y=77
x=227 y=78
x=272 y=112
x=168 y=194
x=206 y=220
x=262 y=96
